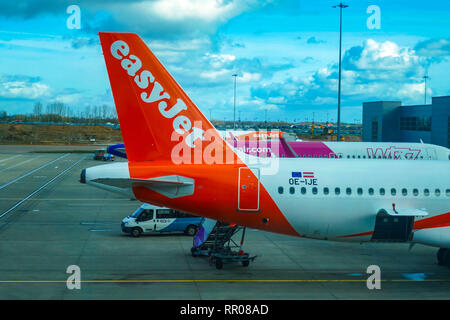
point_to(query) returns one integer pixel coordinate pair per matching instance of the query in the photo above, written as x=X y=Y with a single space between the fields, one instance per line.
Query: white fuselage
x=330 y=216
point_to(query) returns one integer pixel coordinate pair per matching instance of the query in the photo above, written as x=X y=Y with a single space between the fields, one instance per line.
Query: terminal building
x=389 y=121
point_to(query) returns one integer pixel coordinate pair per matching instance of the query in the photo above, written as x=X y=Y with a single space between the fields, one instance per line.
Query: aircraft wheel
x=245 y=263
x=440 y=256
x=219 y=264
x=136 y=232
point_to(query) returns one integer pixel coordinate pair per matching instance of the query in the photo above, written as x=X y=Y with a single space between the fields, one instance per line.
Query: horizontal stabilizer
x=129 y=183
x=171 y=186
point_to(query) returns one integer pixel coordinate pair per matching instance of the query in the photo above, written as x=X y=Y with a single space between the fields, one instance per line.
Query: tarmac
x=50 y=221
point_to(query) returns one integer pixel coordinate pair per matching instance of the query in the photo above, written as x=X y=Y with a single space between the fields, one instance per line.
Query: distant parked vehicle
x=152 y=219
x=103 y=155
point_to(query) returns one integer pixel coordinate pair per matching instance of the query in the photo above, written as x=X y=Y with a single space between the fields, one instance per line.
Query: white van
x=150 y=219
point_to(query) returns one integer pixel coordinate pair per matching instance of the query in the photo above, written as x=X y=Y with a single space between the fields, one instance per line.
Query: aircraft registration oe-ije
x=177 y=159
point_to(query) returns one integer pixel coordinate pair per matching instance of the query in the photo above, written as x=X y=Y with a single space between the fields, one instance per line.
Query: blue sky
x=285 y=53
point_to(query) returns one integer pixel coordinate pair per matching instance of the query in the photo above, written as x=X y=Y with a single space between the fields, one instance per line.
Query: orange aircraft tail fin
x=157 y=119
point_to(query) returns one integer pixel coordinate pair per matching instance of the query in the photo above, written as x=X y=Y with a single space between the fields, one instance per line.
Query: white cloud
x=374 y=70
x=214 y=74
x=205 y=10
x=20 y=87
x=176 y=17
x=68 y=98
x=249 y=77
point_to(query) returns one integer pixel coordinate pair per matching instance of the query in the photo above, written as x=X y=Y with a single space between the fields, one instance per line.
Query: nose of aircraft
x=83 y=176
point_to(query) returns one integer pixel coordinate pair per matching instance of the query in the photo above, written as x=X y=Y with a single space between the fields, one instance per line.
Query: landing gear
x=443 y=257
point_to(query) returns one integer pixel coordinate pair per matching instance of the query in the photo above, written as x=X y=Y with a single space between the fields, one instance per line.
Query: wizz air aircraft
x=178 y=160
x=280 y=147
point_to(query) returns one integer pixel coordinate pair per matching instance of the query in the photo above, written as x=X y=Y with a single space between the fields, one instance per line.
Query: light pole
x=340 y=6
x=234 y=110
x=425 y=78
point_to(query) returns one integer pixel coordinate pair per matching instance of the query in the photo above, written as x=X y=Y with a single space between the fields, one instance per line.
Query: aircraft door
x=144 y=220
x=164 y=219
x=248 y=193
x=392 y=229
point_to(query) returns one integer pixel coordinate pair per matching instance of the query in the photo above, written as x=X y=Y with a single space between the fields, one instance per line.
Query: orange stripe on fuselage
x=357 y=235
x=441 y=220
x=215 y=195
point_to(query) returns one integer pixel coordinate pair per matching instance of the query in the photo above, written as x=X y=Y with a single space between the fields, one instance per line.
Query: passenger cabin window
x=447 y=192
x=314 y=190
x=437 y=192
x=280 y=190
x=165 y=214
x=415 y=192
x=326 y=190
x=303 y=190
x=348 y=191
x=291 y=190
x=426 y=192
x=360 y=191
x=337 y=191
x=393 y=191
x=382 y=191
x=404 y=192
x=371 y=191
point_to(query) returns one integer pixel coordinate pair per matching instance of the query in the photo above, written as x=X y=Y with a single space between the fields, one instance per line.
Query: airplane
x=178 y=160
x=281 y=147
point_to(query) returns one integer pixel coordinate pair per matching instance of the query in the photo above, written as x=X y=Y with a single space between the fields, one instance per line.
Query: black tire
x=219 y=264
x=440 y=256
x=245 y=263
x=191 y=230
x=136 y=232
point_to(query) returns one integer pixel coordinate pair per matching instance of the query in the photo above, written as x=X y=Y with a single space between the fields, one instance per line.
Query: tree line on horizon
x=59 y=112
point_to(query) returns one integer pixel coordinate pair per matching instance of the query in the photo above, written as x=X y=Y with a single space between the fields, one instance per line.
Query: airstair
x=214 y=239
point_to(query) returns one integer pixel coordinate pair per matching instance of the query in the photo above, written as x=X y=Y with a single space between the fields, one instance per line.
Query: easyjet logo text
x=143 y=80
